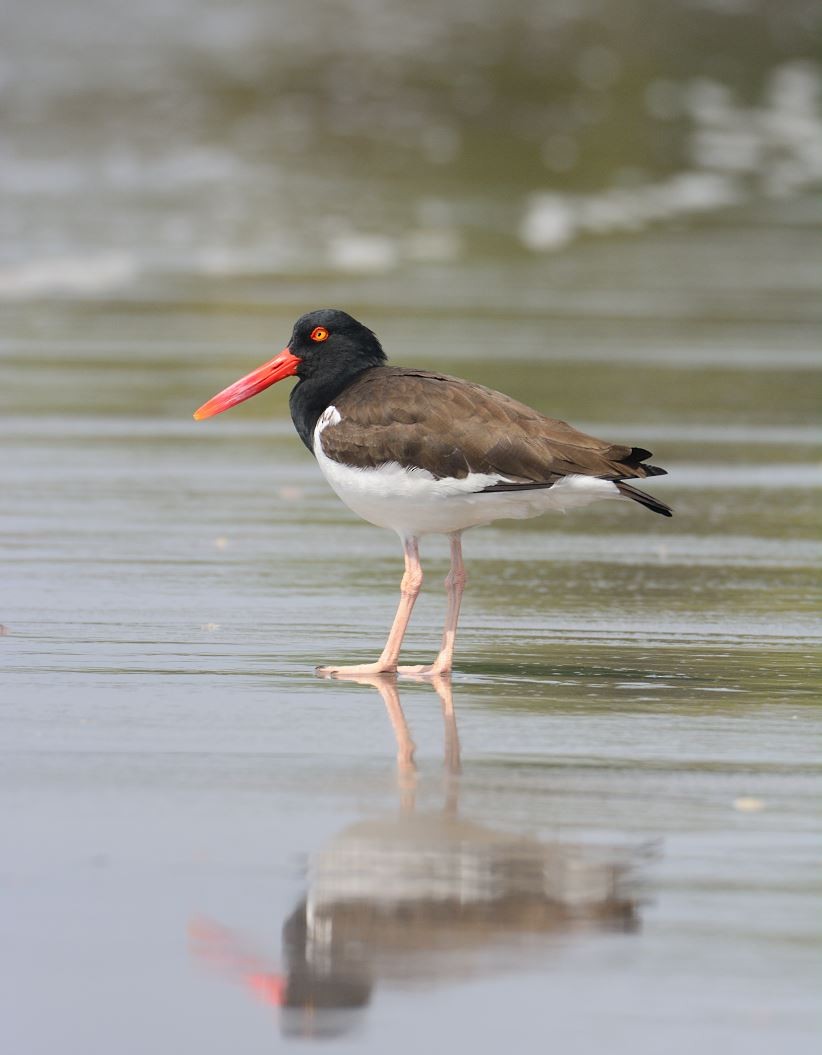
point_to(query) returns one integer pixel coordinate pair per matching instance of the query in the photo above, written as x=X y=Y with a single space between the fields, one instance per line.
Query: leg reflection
x=424 y=894
x=386 y=686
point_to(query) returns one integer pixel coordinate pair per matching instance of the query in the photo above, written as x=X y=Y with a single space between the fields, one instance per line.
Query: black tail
x=644 y=499
x=636 y=460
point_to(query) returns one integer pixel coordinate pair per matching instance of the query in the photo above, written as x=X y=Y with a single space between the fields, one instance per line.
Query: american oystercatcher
x=422 y=453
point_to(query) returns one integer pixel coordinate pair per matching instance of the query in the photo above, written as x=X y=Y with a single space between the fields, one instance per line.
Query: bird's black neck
x=312 y=395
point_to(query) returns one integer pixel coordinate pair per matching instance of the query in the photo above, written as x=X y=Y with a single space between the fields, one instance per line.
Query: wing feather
x=451 y=428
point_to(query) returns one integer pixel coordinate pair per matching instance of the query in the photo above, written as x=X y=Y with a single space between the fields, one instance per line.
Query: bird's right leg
x=409 y=591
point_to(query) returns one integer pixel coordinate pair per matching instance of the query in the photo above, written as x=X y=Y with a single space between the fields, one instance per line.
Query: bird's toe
x=354 y=670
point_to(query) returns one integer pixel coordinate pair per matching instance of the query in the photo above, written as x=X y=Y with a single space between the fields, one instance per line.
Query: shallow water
x=630 y=849
x=603 y=831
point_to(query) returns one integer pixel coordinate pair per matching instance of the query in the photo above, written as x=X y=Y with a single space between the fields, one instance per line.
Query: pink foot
x=355 y=670
x=430 y=670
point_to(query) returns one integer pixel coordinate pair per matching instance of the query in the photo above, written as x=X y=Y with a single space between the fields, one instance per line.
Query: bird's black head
x=330 y=349
x=332 y=342
x=327 y=349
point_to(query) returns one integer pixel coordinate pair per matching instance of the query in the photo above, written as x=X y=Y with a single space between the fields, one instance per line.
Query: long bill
x=283 y=365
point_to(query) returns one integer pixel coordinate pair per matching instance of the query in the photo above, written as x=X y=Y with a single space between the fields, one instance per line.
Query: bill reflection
x=421 y=897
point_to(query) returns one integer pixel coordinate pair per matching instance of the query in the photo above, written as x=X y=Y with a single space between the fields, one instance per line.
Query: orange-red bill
x=283 y=365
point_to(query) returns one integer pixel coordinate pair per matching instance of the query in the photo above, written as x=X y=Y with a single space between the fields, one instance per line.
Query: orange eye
x=319 y=333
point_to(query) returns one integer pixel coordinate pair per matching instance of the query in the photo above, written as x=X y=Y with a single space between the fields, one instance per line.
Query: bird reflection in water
x=418 y=897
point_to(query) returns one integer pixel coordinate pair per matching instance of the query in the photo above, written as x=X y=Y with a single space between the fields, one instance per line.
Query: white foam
x=68 y=274
x=737 y=153
x=365 y=253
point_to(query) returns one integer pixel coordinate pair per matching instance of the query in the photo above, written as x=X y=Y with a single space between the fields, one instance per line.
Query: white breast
x=413 y=502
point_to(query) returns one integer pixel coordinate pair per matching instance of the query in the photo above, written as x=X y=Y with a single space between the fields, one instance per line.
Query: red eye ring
x=319 y=333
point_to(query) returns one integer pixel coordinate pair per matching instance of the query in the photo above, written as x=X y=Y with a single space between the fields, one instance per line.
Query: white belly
x=412 y=502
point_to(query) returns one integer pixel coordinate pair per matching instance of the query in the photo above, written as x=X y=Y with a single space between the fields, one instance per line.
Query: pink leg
x=386 y=686
x=409 y=591
x=442 y=687
x=455 y=586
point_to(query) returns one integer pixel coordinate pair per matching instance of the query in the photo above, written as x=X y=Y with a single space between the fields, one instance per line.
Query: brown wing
x=451 y=427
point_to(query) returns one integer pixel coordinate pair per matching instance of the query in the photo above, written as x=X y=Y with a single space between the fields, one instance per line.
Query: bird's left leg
x=454 y=586
x=409 y=591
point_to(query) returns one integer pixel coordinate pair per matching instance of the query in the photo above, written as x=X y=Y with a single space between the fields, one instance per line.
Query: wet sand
x=627 y=854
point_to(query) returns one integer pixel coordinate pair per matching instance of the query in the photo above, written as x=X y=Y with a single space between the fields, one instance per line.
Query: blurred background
x=237 y=149
x=611 y=209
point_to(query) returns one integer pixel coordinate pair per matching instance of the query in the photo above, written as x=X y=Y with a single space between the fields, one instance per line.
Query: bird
x=421 y=453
